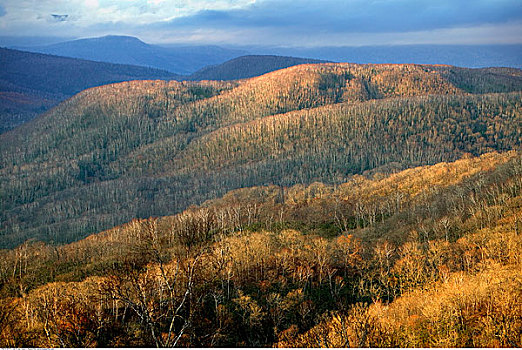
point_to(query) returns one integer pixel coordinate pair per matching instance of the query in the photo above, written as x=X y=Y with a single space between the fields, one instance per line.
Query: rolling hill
x=149 y=148
x=132 y=51
x=31 y=83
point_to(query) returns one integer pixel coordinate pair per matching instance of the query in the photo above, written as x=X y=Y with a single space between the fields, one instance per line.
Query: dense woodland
x=153 y=148
x=426 y=257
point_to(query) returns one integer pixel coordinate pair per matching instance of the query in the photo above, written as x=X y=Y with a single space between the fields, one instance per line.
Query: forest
x=144 y=149
x=425 y=257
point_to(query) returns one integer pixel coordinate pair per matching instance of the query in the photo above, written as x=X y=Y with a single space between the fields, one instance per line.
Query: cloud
x=271 y=22
x=347 y=22
x=2 y=11
x=367 y=16
x=59 y=18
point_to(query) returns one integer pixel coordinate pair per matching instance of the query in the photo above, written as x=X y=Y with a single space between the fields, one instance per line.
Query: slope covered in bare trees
x=141 y=149
x=426 y=257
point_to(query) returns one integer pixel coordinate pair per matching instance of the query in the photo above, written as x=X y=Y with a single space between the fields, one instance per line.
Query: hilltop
x=149 y=148
x=248 y=67
x=31 y=83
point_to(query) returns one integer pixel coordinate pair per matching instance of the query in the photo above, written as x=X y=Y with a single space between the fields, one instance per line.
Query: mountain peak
x=249 y=66
x=124 y=38
x=112 y=39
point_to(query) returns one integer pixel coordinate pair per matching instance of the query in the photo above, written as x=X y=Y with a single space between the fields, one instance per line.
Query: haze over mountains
x=186 y=60
x=471 y=56
x=181 y=60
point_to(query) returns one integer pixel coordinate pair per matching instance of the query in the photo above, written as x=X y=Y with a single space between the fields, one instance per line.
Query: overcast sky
x=271 y=22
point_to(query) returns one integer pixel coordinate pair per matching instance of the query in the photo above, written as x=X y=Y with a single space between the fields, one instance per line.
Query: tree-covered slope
x=31 y=83
x=140 y=149
x=426 y=257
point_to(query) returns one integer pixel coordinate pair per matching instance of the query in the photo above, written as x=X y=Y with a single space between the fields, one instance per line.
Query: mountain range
x=182 y=60
x=31 y=83
x=148 y=148
x=186 y=60
x=20 y=103
x=265 y=201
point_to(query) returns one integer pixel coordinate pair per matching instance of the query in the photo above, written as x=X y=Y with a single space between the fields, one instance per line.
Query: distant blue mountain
x=471 y=56
x=133 y=51
x=189 y=59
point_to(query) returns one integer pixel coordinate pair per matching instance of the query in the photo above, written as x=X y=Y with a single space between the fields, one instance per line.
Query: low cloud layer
x=274 y=22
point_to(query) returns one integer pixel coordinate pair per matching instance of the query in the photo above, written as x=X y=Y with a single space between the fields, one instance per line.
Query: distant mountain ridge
x=470 y=56
x=249 y=66
x=30 y=83
x=133 y=51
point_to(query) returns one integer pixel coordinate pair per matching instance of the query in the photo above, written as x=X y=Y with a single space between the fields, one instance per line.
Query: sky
x=290 y=23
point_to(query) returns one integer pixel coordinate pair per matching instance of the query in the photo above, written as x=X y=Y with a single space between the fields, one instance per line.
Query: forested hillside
x=31 y=83
x=426 y=257
x=141 y=149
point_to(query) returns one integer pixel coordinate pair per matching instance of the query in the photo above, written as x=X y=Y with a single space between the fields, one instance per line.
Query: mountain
x=248 y=67
x=427 y=257
x=25 y=41
x=31 y=83
x=149 y=148
x=131 y=50
x=471 y=56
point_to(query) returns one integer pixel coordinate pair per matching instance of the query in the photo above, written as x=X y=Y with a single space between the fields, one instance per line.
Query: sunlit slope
x=152 y=148
x=429 y=256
